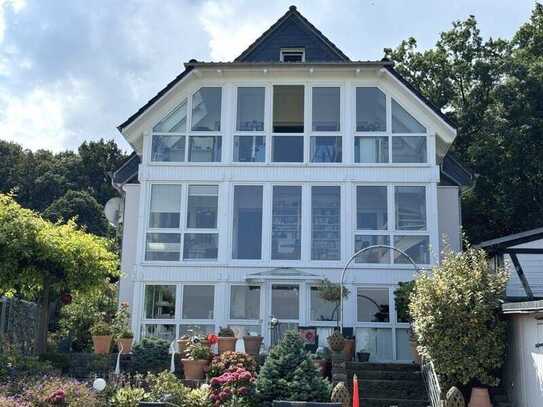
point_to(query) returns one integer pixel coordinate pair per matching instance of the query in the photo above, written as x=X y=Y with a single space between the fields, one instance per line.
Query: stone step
x=405 y=367
x=371 y=402
x=394 y=389
x=385 y=374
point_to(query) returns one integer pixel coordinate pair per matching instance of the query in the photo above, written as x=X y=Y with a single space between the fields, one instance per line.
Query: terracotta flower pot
x=194 y=369
x=252 y=344
x=102 y=343
x=126 y=344
x=348 y=349
x=182 y=346
x=227 y=343
x=479 y=398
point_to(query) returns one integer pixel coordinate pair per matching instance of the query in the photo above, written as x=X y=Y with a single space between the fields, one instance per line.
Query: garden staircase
x=388 y=384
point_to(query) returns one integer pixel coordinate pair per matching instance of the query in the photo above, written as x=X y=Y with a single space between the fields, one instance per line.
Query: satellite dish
x=112 y=210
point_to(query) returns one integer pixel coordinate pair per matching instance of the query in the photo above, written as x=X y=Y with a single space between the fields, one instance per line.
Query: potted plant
x=336 y=341
x=121 y=329
x=101 y=336
x=331 y=292
x=348 y=347
x=252 y=344
x=402 y=297
x=183 y=344
x=363 y=356
x=227 y=340
x=198 y=357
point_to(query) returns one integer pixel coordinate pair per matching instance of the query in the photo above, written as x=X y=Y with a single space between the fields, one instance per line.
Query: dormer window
x=292 y=55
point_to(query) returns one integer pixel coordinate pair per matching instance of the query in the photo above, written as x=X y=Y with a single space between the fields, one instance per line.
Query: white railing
x=431 y=382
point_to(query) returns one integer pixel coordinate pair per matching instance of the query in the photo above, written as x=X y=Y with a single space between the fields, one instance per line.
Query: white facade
x=294 y=239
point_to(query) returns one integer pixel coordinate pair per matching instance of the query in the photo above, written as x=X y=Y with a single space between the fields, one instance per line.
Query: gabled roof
x=292 y=30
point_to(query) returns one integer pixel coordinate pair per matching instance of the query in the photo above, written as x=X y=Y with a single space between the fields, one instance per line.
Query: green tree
x=40 y=259
x=83 y=208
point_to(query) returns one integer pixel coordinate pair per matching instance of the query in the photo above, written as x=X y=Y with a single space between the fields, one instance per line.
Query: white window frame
x=296 y=51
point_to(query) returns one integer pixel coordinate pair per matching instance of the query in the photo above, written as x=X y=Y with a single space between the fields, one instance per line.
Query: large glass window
x=247 y=230
x=326 y=109
x=198 y=301
x=325 y=149
x=205 y=148
x=286 y=301
x=250 y=109
x=410 y=207
x=288 y=149
x=404 y=122
x=206 y=109
x=288 y=109
x=376 y=341
x=165 y=206
x=370 y=109
x=245 y=302
x=286 y=222
x=175 y=122
x=369 y=149
x=249 y=149
x=325 y=223
x=200 y=246
x=162 y=331
x=372 y=305
x=374 y=255
x=322 y=310
x=371 y=208
x=159 y=301
x=168 y=148
x=162 y=246
x=202 y=206
x=416 y=247
x=409 y=149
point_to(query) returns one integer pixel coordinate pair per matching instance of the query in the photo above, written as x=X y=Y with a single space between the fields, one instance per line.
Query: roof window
x=292 y=55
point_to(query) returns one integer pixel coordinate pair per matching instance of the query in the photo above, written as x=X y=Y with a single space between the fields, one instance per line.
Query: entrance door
x=285 y=307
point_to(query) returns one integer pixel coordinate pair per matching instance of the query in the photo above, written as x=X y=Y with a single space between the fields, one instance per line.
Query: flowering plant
x=234 y=387
x=199 y=351
x=231 y=360
x=56 y=397
x=212 y=339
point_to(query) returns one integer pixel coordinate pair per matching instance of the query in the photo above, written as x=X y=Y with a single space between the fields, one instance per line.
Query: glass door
x=285 y=307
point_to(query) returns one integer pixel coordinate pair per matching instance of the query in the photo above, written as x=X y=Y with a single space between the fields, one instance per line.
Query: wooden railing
x=431 y=381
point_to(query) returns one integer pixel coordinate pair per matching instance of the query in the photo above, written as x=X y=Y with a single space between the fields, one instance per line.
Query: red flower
x=212 y=339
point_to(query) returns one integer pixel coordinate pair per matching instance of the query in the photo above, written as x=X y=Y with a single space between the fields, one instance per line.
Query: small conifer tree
x=289 y=374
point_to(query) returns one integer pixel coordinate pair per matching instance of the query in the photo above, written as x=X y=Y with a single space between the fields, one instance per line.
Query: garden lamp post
x=354 y=256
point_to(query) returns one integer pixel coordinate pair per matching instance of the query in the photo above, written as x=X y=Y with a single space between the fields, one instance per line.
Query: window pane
x=375 y=255
x=245 y=302
x=322 y=310
x=372 y=305
x=288 y=149
x=286 y=223
x=247 y=232
x=416 y=247
x=163 y=246
x=370 y=109
x=403 y=122
x=200 y=246
x=159 y=301
x=205 y=148
x=370 y=149
x=326 y=105
x=288 y=109
x=166 y=332
x=196 y=329
x=376 y=341
x=325 y=218
x=371 y=208
x=249 y=149
x=403 y=345
x=325 y=149
x=198 y=301
x=285 y=301
x=168 y=148
x=165 y=206
x=250 y=111
x=410 y=208
x=410 y=149
x=175 y=122
x=206 y=109
x=202 y=207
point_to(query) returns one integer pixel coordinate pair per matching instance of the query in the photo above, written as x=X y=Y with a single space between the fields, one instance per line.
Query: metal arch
x=377 y=246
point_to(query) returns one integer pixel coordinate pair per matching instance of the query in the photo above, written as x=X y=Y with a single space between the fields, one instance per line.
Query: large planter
x=227 y=344
x=479 y=398
x=102 y=343
x=252 y=345
x=348 y=349
x=194 y=369
x=281 y=403
x=126 y=344
x=182 y=346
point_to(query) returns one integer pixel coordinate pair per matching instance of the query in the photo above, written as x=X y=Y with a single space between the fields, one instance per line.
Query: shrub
x=151 y=354
x=229 y=360
x=57 y=390
x=100 y=328
x=289 y=374
x=455 y=312
x=14 y=366
x=119 y=325
x=235 y=387
x=198 y=397
x=60 y=361
x=199 y=351
x=166 y=387
x=128 y=397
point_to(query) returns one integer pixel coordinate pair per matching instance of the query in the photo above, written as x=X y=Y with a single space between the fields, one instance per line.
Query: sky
x=72 y=70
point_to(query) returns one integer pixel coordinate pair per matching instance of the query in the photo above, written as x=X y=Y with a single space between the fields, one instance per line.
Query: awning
x=282 y=273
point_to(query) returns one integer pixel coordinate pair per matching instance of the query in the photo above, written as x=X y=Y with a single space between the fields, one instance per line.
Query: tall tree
x=41 y=259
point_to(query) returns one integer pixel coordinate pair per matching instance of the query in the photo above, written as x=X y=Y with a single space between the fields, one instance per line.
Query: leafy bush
x=198 y=397
x=57 y=390
x=100 y=328
x=151 y=354
x=60 y=361
x=199 y=351
x=455 y=312
x=289 y=374
x=119 y=326
x=14 y=366
x=166 y=387
x=230 y=360
x=235 y=387
x=128 y=397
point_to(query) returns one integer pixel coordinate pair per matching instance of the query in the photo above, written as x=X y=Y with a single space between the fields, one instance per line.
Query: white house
x=253 y=180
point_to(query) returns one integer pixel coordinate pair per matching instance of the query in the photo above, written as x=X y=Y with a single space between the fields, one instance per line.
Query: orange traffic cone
x=356 y=401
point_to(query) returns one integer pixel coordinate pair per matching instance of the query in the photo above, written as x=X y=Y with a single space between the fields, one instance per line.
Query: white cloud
x=6 y=6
